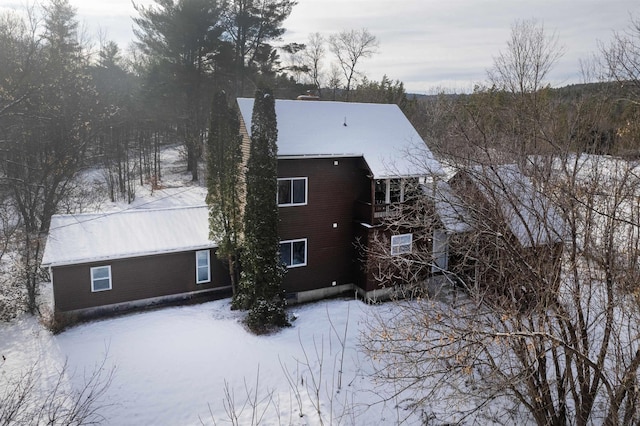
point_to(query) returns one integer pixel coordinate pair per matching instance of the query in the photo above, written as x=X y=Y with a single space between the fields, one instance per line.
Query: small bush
x=13 y=299
x=58 y=322
x=266 y=315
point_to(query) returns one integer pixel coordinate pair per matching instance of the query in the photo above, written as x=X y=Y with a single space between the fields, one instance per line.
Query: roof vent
x=345 y=122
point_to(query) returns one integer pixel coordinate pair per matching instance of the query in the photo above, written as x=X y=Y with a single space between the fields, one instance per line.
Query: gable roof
x=530 y=215
x=83 y=238
x=380 y=133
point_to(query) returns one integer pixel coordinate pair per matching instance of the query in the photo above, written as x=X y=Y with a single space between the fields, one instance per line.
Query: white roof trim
x=126 y=256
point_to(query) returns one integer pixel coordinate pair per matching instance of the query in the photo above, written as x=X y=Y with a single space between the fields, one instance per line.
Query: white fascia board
x=317 y=156
x=122 y=256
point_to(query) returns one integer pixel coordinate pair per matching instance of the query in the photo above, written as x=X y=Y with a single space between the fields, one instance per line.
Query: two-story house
x=341 y=168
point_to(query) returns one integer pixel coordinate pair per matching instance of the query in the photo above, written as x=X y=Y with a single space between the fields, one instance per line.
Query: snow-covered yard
x=198 y=364
x=184 y=365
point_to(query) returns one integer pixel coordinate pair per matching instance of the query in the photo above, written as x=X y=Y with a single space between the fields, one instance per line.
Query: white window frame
x=403 y=182
x=399 y=245
x=94 y=279
x=306 y=191
x=306 y=252
x=199 y=267
x=440 y=251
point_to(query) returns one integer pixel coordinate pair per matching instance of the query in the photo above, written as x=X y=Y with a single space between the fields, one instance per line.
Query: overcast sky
x=428 y=44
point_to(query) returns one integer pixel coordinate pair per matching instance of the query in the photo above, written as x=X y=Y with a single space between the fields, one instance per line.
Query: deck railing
x=373 y=214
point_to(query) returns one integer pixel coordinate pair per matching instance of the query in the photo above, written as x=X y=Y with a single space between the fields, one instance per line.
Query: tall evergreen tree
x=181 y=36
x=262 y=269
x=250 y=25
x=224 y=158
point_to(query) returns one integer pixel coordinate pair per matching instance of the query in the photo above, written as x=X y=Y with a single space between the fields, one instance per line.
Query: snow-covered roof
x=530 y=215
x=380 y=133
x=83 y=238
x=450 y=209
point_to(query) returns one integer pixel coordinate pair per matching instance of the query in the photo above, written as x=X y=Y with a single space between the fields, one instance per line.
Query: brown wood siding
x=331 y=198
x=133 y=279
x=364 y=277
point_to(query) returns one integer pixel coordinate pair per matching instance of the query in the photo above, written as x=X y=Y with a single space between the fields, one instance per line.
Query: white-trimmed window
x=203 y=267
x=293 y=253
x=100 y=278
x=292 y=191
x=390 y=191
x=401 y=244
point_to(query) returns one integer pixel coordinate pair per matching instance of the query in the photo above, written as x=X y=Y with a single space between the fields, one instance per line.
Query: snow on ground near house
x=171 y=364
x=175 y=188
x=174 y=366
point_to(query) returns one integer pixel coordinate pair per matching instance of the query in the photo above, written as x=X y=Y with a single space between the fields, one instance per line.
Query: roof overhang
x=124 y=256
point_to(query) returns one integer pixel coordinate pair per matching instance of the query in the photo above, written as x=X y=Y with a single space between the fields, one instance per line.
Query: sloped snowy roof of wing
x=530 y=215
x=378 y=132
x=450 y=209
x=86 y=238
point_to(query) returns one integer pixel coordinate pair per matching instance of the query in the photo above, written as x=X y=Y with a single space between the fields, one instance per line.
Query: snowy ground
x=197 y=364
x=176 y=188
x=174 y=366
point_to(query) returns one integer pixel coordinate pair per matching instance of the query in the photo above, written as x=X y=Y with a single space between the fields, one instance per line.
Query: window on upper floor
x=401 y=244
x=101 y=278
x=292 y=191
x=390 y=191
x=293 y=253
x=381 y=191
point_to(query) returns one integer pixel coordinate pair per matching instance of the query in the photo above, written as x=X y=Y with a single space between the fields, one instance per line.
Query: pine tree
x=262 y=273
x=180 y=37
x=45 y=126
x=224 y=157
x=250 y=26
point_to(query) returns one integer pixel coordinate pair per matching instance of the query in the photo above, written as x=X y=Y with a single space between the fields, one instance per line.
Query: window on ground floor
x=293 y=253
x=401 y=244
x=203 y=266
x=292 y=191
x=101 y=278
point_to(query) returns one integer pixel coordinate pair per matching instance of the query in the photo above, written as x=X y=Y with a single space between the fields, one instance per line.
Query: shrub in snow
x=265 y=315
x=13 y=297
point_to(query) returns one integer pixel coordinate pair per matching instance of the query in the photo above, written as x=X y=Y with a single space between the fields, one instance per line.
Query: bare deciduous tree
x=529 y=58
x=46 y=130
x=622 y=57
x=522 y=339
x=313 y=57
x=522 y=71
x=334 y=81
x=350 y=47
x=27 y=399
